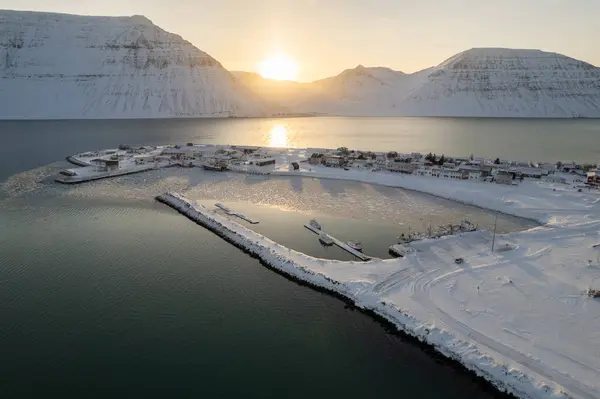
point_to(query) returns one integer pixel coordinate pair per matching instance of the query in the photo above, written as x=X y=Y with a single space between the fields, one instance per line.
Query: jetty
x=340 y=244
x=89 y=173
x=231 y=212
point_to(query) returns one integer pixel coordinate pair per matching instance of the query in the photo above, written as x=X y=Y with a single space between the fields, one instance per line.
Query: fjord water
x=105 y=292
x=518 y=139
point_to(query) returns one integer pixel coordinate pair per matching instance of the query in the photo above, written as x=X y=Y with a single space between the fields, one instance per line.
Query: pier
x=93 y=175
x=231 y=212
x=340 y=244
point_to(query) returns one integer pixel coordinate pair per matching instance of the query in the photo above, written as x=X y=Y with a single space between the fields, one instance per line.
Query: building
x=452 y=174
x=527 y=171
x=262 y=162
x=334 y=160
x=593 y=179
x=401 y=167
x=106 y=165
x=474 y=175
x=504 y=177
x=316 y=159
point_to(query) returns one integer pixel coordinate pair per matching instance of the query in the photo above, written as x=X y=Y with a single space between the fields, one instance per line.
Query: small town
x=266 y=160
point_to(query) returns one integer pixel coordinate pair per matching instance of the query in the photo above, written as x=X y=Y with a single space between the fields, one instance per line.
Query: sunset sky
x=324 y=37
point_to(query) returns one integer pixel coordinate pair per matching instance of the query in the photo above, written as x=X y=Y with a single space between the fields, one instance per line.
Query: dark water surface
x=105 y=292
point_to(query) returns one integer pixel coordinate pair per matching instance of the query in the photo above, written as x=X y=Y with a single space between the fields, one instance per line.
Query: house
x=593 y=179
x=474 y=175
x=526 y=171
x=451 y=173
x=316 y=159
x=334 y=160
x=428 y=171
x=246 y=149
x=504 y=177
x=262 y=161
x=401 y=167
x=568 y=167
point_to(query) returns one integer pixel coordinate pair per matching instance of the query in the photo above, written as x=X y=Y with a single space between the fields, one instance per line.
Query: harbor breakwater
x=297 y=266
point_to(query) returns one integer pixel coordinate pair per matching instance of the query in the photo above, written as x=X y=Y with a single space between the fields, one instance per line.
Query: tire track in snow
x=421 y=293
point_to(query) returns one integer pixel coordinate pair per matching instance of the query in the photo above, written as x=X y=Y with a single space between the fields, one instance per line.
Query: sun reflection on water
x=278 y=136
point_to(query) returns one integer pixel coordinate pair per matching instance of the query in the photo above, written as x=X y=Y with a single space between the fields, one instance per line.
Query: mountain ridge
x=478 y=82
x=63 y=66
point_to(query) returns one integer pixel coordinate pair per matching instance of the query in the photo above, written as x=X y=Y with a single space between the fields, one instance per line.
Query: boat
x=315 y=224
x=357 y=245
x=325 y=239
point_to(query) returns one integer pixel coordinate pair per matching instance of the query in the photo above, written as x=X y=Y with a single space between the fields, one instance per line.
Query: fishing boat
x=315 y=224
x=357 y=245
x=325 y=239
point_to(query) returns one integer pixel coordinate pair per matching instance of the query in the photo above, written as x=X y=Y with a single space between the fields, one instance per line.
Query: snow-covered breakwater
x=275 y=255
x=412 y=299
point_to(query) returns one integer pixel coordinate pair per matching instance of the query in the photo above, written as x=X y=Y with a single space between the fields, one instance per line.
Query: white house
x=401 y=167
x=451 y=174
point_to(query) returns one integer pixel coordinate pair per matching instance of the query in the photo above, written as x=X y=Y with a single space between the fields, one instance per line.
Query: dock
x=231 y=212
x=100 y=175
x=340 y=244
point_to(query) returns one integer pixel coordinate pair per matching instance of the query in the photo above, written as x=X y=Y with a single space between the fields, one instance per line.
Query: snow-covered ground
x=518 y=315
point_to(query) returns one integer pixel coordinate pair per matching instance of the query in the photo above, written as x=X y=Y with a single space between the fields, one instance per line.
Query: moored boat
x=315 y=224
x=325 y=239
x=357 y=245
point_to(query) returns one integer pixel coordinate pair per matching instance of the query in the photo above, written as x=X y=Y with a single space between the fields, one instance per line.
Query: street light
x=494 y=236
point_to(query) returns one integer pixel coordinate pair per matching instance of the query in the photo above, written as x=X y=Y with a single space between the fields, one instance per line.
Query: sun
x=279 y=67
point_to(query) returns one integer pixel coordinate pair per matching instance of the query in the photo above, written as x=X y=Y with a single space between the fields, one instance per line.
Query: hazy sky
x=327 y=36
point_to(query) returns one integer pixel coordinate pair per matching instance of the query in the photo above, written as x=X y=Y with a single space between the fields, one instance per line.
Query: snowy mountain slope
x=486 y=82
x=494 y=82
x=69 y=66
x=374 y=91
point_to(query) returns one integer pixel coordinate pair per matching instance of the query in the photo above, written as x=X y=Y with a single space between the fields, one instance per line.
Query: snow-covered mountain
x=375 y=91
x=69 y=66
x=495 y=82
x=487 y=82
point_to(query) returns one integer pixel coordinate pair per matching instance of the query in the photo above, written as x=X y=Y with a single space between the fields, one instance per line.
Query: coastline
x=389 y=323
x=404 y=302
x=300 y=266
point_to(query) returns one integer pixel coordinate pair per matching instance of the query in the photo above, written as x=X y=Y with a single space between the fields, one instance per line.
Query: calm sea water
x=105 y=292
x=520 y=139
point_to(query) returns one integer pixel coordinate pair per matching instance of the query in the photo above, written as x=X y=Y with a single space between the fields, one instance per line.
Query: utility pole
x=494 y=236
